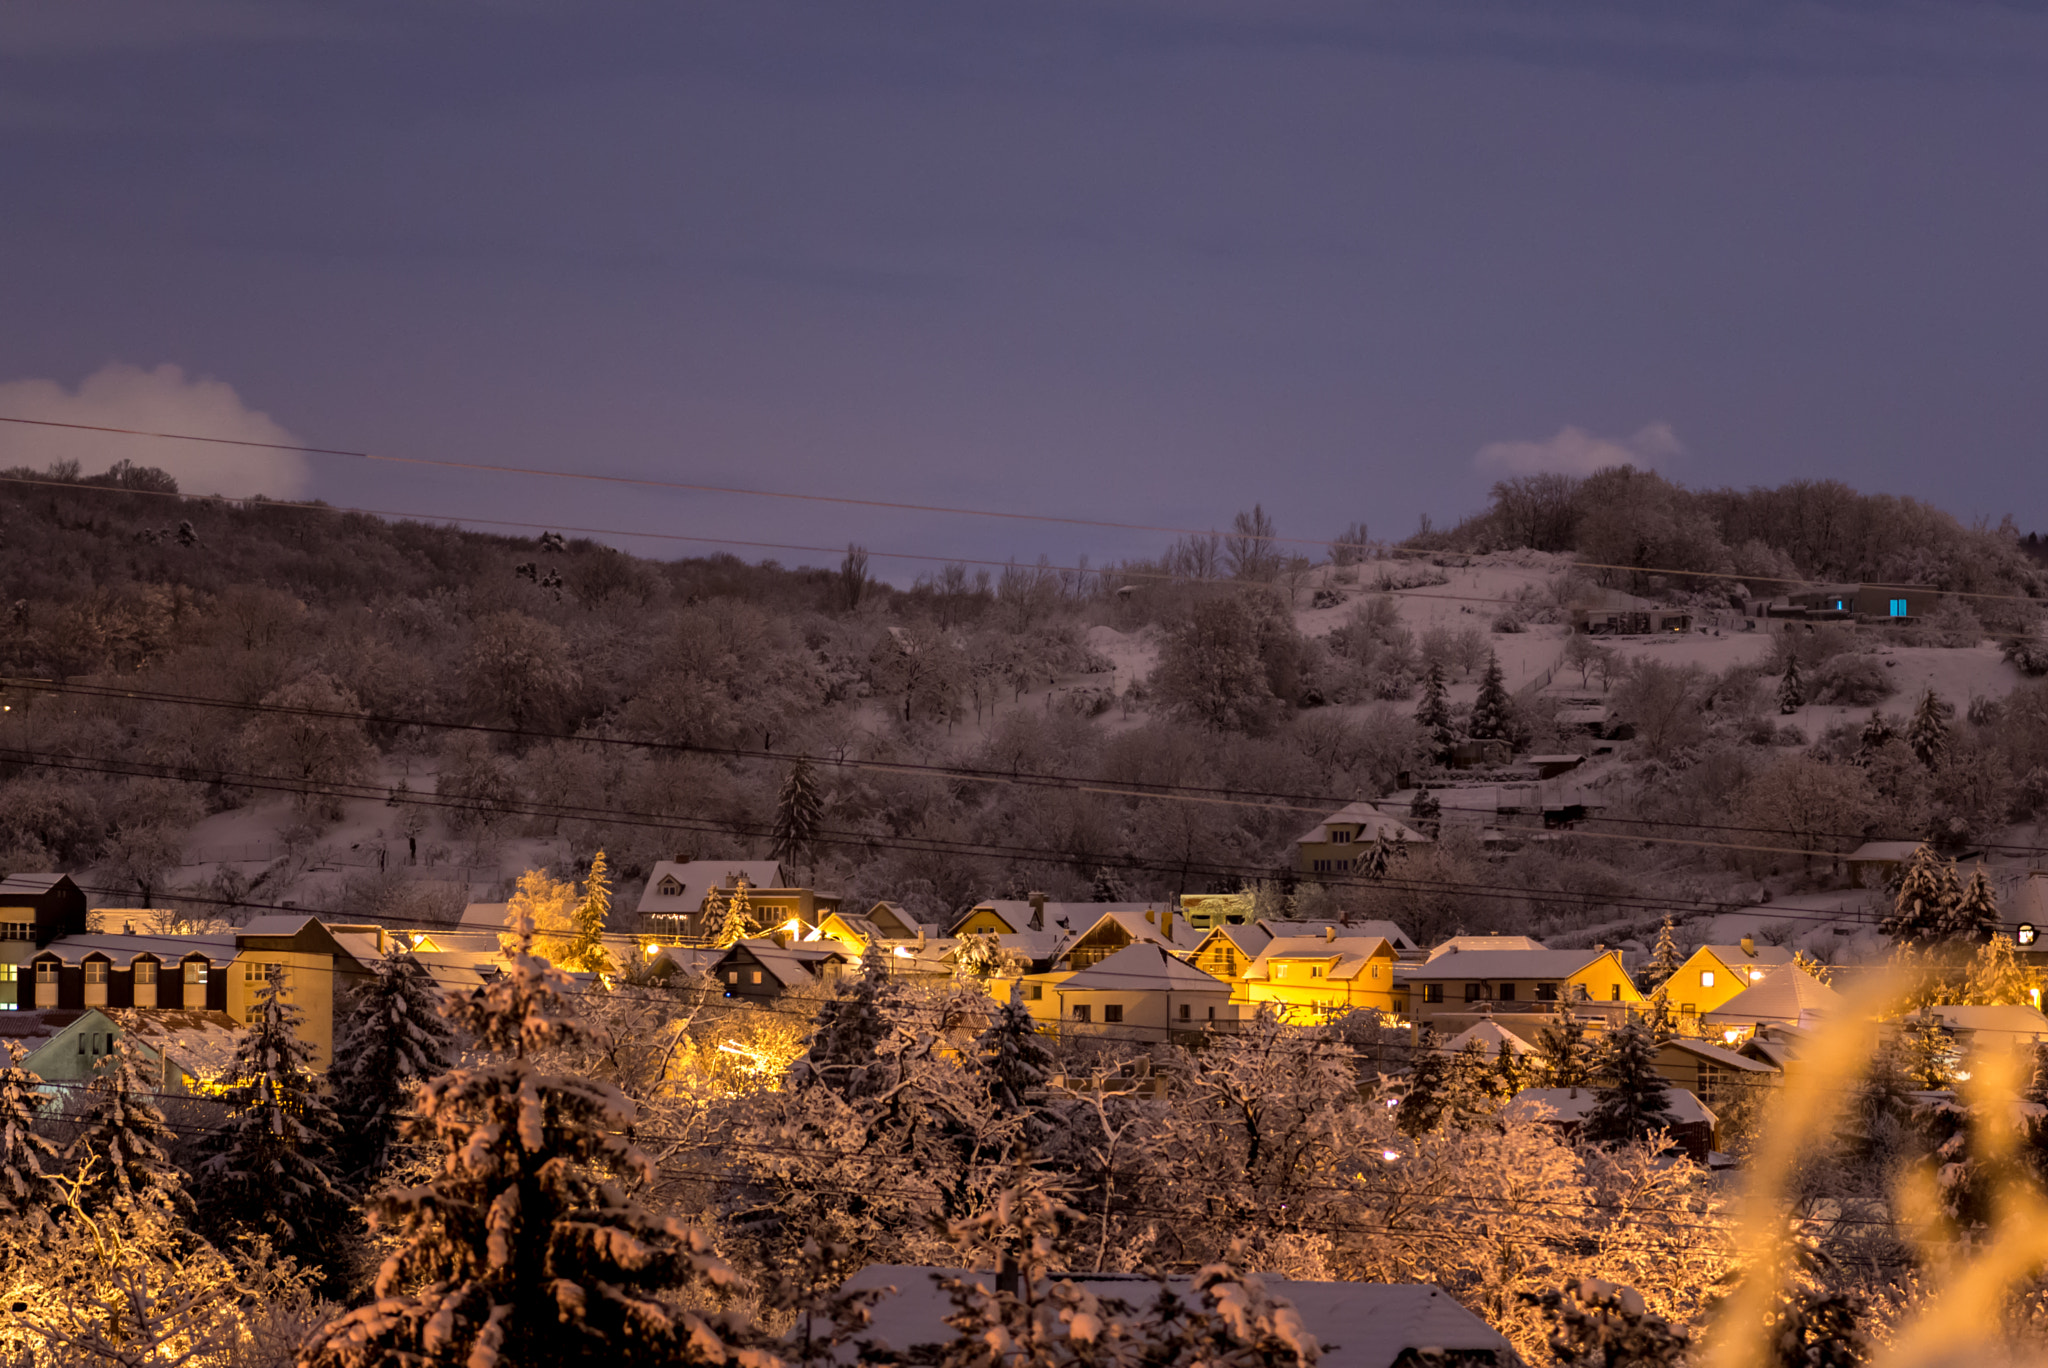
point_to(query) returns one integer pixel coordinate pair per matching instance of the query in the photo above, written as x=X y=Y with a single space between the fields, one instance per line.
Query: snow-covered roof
x=31 y=1028
x=483 y=916
x=1492 y=1035
x=458 y=971
x=276 y=924
x=1346 y=956
x=1892 y=852
x=1786 y=994
x=793 y=965
x=1249 y=940
x=1464 y=943
x=28 y=885
x=1575 y=1104
x=1364 y=1325
x=1756 y=956
x=1505 y=964
x=694 y=878
x=1142 y=968
x=1372 y=825
x=1717 y=1054
x=1392 y=934
x=2015 y=1023
x=1077 y=917
x=200 y=1043
x=360 y=944
x=1140 y=921
x=122 y=949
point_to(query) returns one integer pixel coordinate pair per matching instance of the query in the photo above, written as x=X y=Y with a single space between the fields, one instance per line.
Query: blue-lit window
x=1898 y=608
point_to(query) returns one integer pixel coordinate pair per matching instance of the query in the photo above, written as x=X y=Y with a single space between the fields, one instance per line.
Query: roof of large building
x=30 y=885
x=693 y=879
x=1464 y=943
x=1574 y=1104
x=1786 y=994
x=1392 y=934
x=1364 y=1325
x=1346 y=956
x=1141 y=968
x=218 y=949
x=2017 y=1023
x=1372 y=824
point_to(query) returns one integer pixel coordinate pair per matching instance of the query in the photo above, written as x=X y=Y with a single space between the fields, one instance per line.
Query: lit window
x=1898 y=608
x=754 y=976
x=195 y=972
x=1706 y=978
x=96 y=971
x=1113 y=1011
x=732 y=976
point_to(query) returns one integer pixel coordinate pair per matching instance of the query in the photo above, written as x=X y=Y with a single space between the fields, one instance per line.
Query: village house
x=1898 y=603
x=1713 y=974
x=673 y=905
x=1313 y=978
x=1360 y=1325
x=179 y=1051
x=763 y=969
x=1141 y=992
x=1458 y=980
x=1610 y=612
x=1713 y=1073
x=1120 y=926
x=1227 y=951
x=35 y=909
x=1337 y=843
x=1784 y=996
x=1694 y=1128
x=1492 y=1037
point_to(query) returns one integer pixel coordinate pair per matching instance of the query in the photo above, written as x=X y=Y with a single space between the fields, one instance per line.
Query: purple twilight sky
x=1142 y=260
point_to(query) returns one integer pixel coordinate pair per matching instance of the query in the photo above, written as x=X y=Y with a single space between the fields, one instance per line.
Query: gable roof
x=1132 y=918
x=792 y=965
x=1785 y=994
x=1574 y=1104
x=1735 y=958
x=1464 y=943
x=1142 y=968
x=2019 y=1023
x=1717 y=1054
x=199 y=1044
x=1373 y=825
x=698 y=877
x=1077 y=917
x=1249 y=940
x=1363 y=1325
x=889 y=917
x=1347 y=956
x=30 y=885
x=1387 y=930
x=1507 y=964
x=1492 y=1035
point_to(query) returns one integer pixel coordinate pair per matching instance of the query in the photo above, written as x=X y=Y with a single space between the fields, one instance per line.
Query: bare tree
x=853 y=576
x=1350 y=546
x=1249 y=548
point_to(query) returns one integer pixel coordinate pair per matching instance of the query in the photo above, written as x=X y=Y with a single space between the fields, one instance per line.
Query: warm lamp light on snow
x=902 y=952
x=1390 y=1155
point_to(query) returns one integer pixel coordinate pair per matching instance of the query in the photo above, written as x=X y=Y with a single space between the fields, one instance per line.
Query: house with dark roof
x=1694 y=1128
x=1337 y=843
x=1712 y=1072
x=759 y=970
x=35 y=909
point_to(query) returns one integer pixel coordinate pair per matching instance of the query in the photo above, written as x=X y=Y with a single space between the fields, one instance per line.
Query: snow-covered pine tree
x=584 y=952
x=848 y=1031
x=393 y=1040
x=272 y=1168
x=1423 y=1093
x=1567 y=1058
x=1426 y=812
x=1927 y=732
x=1014 y=1063
x=28 y=1159
x=1876 y=733
x=1433 y=713
x=121 y=1148
x=1632 y=1101
x=1108 y=888
x=1665 y=957
x=1791 y=687
x=526 y=1247
x=1511 y=1072
x=799 y=813
x=736 y=921
x=1996 y=978
x=1493 y=712
x=1926 y=1052
x=1822 y=973
x=1927 y=892
x=1469 y=1096
x=1973 y=917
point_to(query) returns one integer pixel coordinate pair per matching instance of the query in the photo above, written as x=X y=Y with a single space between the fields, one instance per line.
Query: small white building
x=1143 y=993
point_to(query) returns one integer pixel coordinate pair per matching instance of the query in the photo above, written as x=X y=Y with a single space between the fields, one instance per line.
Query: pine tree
x=122 y=1146
x=1665 y=957
x=1014 y=1063
x=798 y=814
x=1433 y=714
x=1426 y=812
x=1469 y=1097
x=1996 y=978
x=1632 y=1102
x=1925 y=1052
x=738 y=921
x=1791 y=688
x=1108 y=888
x=1877 y=733
x=849 y=1030
x=584 y=952
x=393 y=1040
x=1926 y=896
x=1493 y=712
x=27 y=1158
x=525 y=1247
x=1927 y=733
x=1511 y=1072
x=1422 y=1098
x=272 y=1166
x=1973 y=916
x=1567 y=1057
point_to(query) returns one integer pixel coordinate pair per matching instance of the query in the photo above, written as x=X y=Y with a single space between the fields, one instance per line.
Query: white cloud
x=1575 y=451
x=160 y=400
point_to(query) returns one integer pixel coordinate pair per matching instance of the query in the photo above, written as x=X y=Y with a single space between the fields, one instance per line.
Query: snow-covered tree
x=799 y=814
x=1511 y=1072
x=393 y=1039
x=1493 y=712
x=1791 y=687
x=1596 y=1324
x=1631 y=1100
x=271 y=1169
x=1973 y=916
x=737 y=923
x=849 y=1031
x=592 y=916
x=1876 y=734
x=1927 y=732
x=526 y=1246
x=1665 y=957
x=1926 y=897
x=1996 y=978
x=1433 y=713
x=28 y=1158
x=1567 y=1057
x=1424 y=1093
x=1926 y=1052
x=549 y=904
x=1469 y=1095
x=1013 y=1061
x=121 y=1149
x=1426 y=811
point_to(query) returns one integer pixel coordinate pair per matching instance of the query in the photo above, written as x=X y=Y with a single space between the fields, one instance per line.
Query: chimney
x=1166 y=923
x=1151 y=917
x=1037 y=911
x=1749 y=946
x=1329 y=933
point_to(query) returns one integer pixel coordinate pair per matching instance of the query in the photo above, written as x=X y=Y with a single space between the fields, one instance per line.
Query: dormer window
x=1341 y=836
x=669 y=887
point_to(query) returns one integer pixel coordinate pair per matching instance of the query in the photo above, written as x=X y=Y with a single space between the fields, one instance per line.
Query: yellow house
x=1312 y=978
x=1227 y=951
x=1458 y=980
x=1335 y=844
x=1713 y=974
